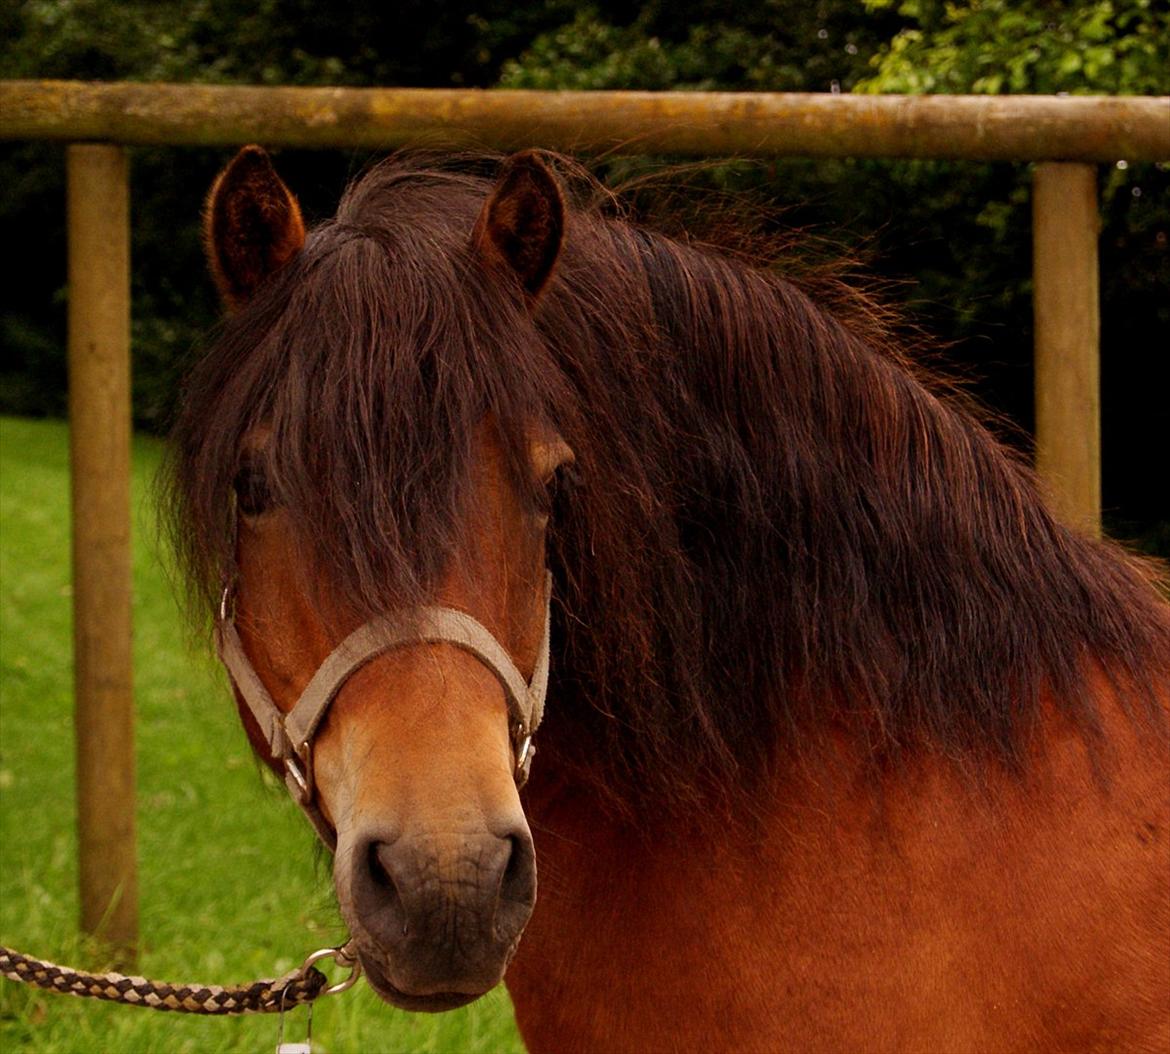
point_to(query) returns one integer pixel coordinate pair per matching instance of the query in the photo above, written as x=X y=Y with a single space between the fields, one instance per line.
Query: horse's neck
x=850 y=915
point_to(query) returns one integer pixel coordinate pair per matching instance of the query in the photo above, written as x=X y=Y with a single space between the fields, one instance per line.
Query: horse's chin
x=429 y=1003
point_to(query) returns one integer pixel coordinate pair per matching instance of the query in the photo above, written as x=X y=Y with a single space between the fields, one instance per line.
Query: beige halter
x=290 y=736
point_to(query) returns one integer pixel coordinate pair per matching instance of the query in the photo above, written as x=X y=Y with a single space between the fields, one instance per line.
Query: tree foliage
x=774 y=45
x=1103 y=47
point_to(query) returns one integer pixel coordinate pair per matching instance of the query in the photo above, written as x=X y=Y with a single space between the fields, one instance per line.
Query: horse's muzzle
x=436 y=918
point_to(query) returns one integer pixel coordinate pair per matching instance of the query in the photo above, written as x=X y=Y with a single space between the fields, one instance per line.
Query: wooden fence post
x=1065 y=226
x=99 y=415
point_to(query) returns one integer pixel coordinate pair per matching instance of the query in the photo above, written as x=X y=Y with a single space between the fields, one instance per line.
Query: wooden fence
x=1065 y=136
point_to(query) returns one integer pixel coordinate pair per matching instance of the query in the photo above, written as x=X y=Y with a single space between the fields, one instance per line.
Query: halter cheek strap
x=290 y=736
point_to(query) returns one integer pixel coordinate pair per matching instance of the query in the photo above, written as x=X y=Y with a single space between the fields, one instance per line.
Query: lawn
x=231 y=887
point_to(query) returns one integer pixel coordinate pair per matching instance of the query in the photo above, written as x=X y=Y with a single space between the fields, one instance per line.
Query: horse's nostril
x=387 y=897
x=517 y=888
x=512 y=868
x=378 y=871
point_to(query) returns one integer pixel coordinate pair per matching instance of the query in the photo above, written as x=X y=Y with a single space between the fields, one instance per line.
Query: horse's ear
x=252 y=225
x=522 y=223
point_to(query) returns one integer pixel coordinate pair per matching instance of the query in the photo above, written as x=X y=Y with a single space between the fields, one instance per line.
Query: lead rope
x=303 y=985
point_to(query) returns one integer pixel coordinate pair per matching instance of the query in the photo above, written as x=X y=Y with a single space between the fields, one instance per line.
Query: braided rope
x=259 y=997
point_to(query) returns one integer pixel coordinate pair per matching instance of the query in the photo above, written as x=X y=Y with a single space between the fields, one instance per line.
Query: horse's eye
x=251 y=486
x=557 y=487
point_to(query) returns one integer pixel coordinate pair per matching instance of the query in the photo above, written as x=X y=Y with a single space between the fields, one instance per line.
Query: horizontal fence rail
x=967 y=127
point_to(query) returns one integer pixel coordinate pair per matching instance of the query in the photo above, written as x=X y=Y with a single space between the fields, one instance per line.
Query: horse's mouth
x=431 y=1003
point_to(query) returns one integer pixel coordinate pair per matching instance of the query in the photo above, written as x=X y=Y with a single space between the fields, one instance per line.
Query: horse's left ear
x=522 y=223
x=252 y=226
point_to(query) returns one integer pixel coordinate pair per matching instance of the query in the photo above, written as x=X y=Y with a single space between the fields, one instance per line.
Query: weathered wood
x=1065 y=228
x=1082 y=128
x=99 y=415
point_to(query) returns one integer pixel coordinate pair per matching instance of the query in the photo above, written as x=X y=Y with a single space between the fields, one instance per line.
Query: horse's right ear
x=252 y=226
x=520 y=228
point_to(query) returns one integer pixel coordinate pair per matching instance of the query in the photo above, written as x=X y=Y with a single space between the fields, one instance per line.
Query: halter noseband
x=290 y=736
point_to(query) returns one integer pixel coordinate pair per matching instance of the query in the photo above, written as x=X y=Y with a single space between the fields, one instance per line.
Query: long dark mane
x=775 y=522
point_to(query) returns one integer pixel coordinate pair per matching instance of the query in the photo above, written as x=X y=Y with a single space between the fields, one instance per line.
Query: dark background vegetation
x=951 y=241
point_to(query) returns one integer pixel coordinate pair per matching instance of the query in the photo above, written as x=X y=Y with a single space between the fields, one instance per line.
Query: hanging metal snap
x=304 y=1046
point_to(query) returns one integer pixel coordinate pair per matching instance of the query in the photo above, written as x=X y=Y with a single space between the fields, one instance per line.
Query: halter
x=290 y=736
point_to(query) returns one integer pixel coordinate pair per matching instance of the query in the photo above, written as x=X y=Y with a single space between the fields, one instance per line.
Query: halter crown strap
x=289 y=735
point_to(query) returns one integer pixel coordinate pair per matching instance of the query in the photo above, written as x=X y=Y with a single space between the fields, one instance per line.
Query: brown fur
x=1030 y=915
x=850 y=744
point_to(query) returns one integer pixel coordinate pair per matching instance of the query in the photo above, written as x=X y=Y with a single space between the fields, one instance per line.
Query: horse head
x=417 y=741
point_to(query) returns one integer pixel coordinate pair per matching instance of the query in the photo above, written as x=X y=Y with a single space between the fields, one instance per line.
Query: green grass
x=230 y=886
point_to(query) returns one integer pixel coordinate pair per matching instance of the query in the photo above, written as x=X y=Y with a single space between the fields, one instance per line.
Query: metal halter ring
x=343 y=956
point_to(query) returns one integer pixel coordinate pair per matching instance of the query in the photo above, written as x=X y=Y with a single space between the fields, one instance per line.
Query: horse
x=849 y=744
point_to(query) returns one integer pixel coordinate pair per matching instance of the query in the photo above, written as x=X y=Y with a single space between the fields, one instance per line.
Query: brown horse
x=849 y=744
